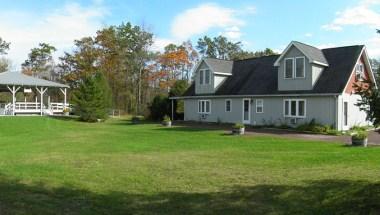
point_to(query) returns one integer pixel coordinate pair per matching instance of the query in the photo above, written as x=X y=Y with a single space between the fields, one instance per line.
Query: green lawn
x=54 y=166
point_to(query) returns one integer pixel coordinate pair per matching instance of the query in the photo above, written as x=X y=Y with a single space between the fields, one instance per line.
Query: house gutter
x=245 y=96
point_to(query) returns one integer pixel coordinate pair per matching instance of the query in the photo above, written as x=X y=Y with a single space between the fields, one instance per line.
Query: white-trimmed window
x=289 y=65
x=259 y=106
x=295 y=108
x=228 y=105
x=359 y=72
x=207 y=76
x=204 y=76
x=300 y=67
x=294 y=67
x=204 y=106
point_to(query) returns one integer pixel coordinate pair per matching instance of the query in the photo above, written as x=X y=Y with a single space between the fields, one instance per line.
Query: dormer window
x=204 y=76
x=300 y=67
x=295 y=67
x=359 y=72
x=289 y=64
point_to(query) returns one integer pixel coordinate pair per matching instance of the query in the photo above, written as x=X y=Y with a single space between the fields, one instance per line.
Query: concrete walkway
x=373 y=138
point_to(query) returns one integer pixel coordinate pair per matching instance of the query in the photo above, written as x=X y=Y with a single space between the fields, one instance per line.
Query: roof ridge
x=306 y=44
x=254 y=58
x=337 y=47
x=213 y=58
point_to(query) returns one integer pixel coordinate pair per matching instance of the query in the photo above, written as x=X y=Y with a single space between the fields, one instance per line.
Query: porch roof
x=19 y=79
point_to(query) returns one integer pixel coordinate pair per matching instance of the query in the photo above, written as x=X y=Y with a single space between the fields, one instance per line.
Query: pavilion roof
x=20 y=79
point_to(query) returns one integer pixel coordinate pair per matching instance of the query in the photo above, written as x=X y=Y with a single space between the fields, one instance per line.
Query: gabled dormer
x=210 y=74
x=299 y=67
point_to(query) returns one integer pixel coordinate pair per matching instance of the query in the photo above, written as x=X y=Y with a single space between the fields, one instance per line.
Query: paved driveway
x=373 y=138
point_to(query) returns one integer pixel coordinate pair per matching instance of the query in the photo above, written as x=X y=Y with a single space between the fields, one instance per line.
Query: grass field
x=54 y=166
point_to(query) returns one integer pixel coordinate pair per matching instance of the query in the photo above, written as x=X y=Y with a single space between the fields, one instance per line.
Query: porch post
x=64 y=91
x=13 y=91
x=172 y=109
x=41 y=91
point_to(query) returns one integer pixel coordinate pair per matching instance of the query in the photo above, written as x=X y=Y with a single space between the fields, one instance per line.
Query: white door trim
x=249 y=111
x=345 y=127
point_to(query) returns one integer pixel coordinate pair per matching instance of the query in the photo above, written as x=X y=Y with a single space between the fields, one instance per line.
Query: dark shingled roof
x=258 y=76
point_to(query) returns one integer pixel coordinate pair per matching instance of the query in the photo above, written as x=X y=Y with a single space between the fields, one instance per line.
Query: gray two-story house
x=301 y=84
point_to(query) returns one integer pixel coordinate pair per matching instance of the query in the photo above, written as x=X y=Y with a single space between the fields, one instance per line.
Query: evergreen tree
x=92 y=98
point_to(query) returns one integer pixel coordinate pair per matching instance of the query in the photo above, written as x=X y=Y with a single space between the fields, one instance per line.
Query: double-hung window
x=295 y=67
x=204 y=76
x=359 y=72
x=289 y=64
x=204 y=106
x=228 y=105
x=300 y=67
x=259 y=106
x=295 y=108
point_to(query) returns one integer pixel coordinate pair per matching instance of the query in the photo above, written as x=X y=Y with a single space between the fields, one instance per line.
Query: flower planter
x=167 y=123
x=359 y=142
x=238 y=131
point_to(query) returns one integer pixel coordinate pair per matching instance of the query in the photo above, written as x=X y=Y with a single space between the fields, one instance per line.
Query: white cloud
x=361 y=14
x=232 y=33
x=160 y=43
x=373 y=46
x=200 y=19
x=59 y=27
x=308 y=35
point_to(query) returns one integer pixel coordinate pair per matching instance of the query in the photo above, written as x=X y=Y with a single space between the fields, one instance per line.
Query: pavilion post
x=13 y=91
x=42 y=91
x=64 y=91
x=172 y=109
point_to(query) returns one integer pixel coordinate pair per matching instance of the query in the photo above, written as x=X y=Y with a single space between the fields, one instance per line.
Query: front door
x=246 y=111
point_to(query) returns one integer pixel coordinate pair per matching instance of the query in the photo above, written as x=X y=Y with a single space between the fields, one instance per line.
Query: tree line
x=123 y=55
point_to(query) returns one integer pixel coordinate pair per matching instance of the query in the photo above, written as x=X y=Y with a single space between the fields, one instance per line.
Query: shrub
x=360 y=135
x=238 y=126
x=159 y=107
x=92 y=98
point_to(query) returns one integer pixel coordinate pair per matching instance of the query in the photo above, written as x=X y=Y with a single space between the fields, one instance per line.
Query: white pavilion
x=14 y=82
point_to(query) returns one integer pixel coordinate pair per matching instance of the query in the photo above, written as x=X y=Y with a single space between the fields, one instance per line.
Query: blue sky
x=258 y=24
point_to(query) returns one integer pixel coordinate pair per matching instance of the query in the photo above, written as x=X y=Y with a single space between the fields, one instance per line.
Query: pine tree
x=92 y=98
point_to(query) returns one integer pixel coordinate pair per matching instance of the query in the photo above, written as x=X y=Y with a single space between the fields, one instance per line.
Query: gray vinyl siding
x=295 y=83
x=316 y=72
x=218 y=112
x=204 y=88
x=322 y=109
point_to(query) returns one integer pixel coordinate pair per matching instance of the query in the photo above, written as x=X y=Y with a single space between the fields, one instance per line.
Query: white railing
x=32 y=107
x=26 y=106
x=58 y=107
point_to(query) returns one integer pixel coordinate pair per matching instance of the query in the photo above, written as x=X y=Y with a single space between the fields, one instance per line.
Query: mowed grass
x=55 y=166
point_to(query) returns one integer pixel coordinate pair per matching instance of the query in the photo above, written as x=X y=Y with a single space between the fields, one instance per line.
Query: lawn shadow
x=182 y=128
x=65 y=118
x=314 y=197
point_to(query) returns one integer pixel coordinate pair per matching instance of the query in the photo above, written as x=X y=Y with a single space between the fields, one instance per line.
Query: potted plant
x=167 y=121
x=238 y=129
x=359 y=138
x=66 y=111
